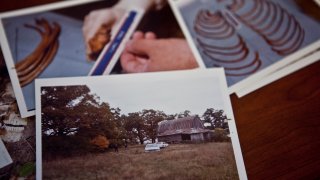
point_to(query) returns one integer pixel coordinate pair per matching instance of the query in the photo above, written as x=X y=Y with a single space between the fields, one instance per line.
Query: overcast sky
x=171 y=94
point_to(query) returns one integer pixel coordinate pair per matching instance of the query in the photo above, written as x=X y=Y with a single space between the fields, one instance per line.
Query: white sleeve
x=141 y=4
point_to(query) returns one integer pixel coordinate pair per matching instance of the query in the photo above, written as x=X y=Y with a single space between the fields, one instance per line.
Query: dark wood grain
x=278 y=125
x=8 y=5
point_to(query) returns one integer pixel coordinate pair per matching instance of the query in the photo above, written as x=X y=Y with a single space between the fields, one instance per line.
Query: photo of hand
x=150 y=47
x=145 y=53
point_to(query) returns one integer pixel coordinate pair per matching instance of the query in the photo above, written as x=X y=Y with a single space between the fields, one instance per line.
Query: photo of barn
x=186 y=129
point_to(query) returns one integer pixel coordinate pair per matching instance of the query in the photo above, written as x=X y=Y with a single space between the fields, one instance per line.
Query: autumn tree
x=58 y=118
x=72 y=116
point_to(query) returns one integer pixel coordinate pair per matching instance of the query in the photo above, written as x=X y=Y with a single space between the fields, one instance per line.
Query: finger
x=150 y=35
x=137 y=35
x=132 y=64
x=130 y=56
x=140 y=46
x=127 y=57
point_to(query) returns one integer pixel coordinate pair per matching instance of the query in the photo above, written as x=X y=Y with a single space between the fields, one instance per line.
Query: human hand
x=97 y=29
x=145 y=53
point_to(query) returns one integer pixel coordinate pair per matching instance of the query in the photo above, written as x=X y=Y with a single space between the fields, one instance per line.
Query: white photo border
x=291 y=68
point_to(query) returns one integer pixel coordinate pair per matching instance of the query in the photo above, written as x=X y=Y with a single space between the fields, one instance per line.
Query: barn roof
x=186 y=125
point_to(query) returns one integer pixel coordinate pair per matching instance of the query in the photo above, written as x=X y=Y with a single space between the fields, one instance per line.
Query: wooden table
x=278 y=125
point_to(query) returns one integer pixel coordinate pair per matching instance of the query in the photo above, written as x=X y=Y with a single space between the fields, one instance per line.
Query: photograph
x=248 y=37
x=5 y=158
x=84 y=38
x=156 y=44
x=158 y=125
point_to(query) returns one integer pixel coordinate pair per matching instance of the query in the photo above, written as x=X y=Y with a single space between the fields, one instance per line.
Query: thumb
x=140 y=46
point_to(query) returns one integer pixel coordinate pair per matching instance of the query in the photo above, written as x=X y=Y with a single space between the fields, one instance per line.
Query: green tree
x=216 y=118
x=185 y=113
x=119 y=122
x=135 y=127
x=151 y=119
x=171 y=116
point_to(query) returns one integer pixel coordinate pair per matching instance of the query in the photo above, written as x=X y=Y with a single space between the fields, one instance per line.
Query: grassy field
x=178 y=161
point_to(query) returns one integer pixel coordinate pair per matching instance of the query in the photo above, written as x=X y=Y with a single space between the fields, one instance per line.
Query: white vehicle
x=162 y=144
x=152 y=147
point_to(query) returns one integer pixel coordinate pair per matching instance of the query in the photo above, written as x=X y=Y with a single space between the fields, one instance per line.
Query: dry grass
x=178 y=161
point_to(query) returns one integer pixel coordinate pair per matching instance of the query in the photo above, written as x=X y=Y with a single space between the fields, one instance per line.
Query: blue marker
x=105 y=60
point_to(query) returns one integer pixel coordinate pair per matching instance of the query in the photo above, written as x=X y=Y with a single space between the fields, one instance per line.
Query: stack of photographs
x=56 y=55
x=109 y=124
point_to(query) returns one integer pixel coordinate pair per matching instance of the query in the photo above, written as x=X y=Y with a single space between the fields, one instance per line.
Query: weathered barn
x=183 y=129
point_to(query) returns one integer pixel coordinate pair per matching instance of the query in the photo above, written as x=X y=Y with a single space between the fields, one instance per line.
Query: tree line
x=74 y=120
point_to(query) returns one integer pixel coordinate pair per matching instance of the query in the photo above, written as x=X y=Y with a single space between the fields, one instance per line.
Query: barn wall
x=170 y=139
x=197 y=137
x=176 y=138
x=207 y=136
